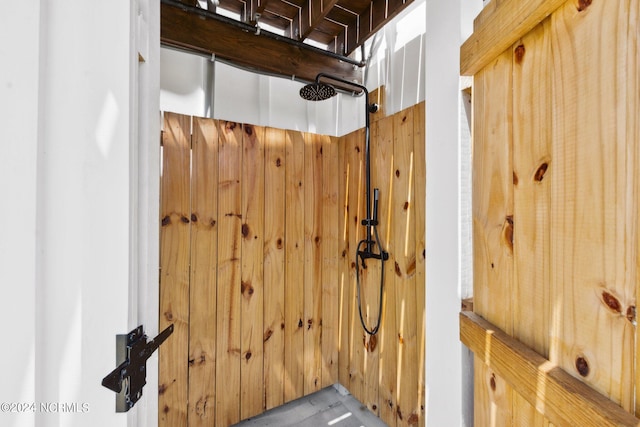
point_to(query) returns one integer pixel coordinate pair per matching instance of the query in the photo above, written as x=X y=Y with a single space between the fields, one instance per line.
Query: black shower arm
x=343 y=81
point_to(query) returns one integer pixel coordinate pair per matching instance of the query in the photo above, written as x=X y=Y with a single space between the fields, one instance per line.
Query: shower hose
x=373 y=330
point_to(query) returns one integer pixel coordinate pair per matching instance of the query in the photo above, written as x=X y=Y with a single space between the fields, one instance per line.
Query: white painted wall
x=448 y=364
x=70 y=239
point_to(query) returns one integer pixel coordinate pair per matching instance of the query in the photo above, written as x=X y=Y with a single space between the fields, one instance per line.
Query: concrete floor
x=332 y=406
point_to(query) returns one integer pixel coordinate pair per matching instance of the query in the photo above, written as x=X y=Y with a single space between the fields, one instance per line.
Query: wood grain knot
x=247 y=355
x=357 y=149
x=611 y=302
x=245 y=230
x=279 y=243
x=166 y=220
x=194 y=218
x=212 y=223
x=492 y=382
x=246 y=289
x=540 y=172
x=278 y=162
x=519 y=53
x=168 y=315
x=300 y=324
x=507 y=232
x=397 y=269
x=582 y=366
x=583 y=5
x=344 y=253
x=411 y=267
x=309 y=324
x=317 y=240
x=230 y=125
x=371 y=343
x=397 y=173
x=406 y=206
x=184 y=219
x=413 y=420
x=631 y=314
x=400 y=339
x=268 y=333
x=515 y=178
x=162 y=388
x=374 y=407
x=248 y=129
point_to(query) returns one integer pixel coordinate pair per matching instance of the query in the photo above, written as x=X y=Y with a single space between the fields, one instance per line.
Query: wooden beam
x=561 y=398
x=197 y=33
x=499 y=28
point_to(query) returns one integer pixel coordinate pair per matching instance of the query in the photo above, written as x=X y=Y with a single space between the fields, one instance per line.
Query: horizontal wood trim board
x=561 y=398
x=499 y=28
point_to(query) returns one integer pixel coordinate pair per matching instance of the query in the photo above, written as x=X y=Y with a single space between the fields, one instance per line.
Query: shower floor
x=331 y=406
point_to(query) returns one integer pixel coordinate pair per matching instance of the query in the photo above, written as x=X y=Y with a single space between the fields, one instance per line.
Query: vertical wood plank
x=405 y=268
x=633 y=134
x=355 y=146
x=420 y=181
x=313 y=229
x=492 y=192
x=532 y=166
x=174 y=264
x=494 y=394
x=294 y=268
x=532 y=173
x=204 y=256
x=345 y=260
x=388 y=335
x=274 y=267
x=370 y=280
x=252 y=231
x=594 y=197
x=228 y=334
x=330 y=257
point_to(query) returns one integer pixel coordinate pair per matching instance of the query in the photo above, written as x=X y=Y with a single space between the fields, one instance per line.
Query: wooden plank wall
x=259 y=229
x=556 y=190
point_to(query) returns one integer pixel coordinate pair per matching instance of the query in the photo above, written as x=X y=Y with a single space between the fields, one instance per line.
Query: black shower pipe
x=368 y=222
x=262 y=33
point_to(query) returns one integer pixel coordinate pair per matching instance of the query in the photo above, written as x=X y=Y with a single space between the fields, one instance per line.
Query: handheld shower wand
x=318 y=91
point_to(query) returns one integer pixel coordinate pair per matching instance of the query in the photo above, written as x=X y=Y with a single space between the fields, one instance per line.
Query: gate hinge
x=132 y=352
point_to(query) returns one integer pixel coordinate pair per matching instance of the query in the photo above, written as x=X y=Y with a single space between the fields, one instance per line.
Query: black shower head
x=317 y=91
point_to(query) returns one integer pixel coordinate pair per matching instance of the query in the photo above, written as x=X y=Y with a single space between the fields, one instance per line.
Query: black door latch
x=132 y=352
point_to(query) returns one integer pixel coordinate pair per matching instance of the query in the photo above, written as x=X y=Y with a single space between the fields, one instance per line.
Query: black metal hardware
x=132 y=352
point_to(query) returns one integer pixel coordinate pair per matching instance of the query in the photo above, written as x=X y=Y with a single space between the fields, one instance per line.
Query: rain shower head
x=317 y=91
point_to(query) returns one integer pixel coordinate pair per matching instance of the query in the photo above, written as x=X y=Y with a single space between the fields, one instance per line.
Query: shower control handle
x=376 y=196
